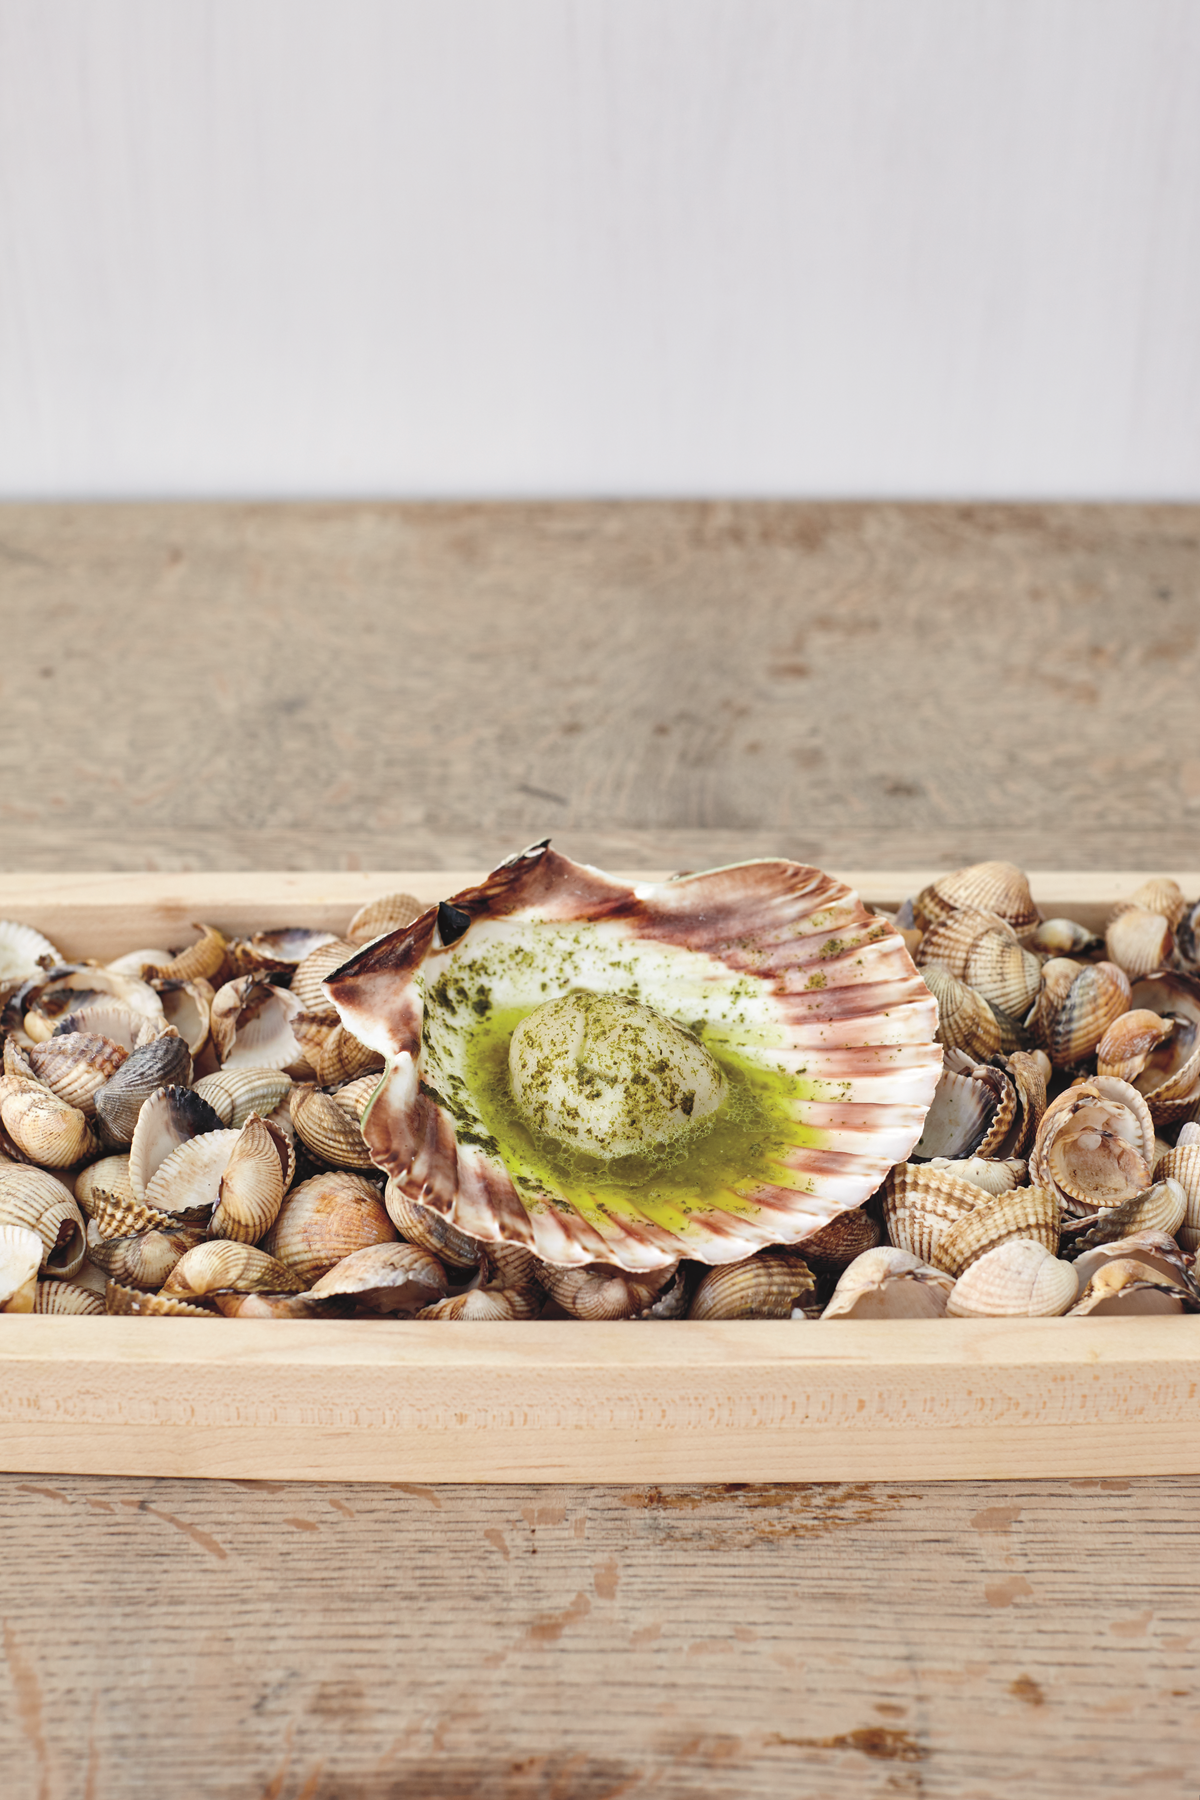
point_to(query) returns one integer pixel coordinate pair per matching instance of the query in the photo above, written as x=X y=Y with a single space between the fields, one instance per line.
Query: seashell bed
x=736 y=1094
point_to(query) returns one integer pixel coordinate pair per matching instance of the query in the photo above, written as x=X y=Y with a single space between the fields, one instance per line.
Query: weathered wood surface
x=167 y=1639
x=379 y=686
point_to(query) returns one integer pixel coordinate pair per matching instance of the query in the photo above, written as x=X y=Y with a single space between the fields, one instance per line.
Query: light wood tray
x=567 y=1401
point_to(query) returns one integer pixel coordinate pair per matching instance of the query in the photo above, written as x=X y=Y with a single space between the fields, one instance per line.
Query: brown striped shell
x=165 y=1062
x=948 y=944
x=600 y=1291
x=307 y=982
x=46 y=1129
x=1018 y=1279
x=1095 y=1145
x=74 y=1064
x=391 y=912
x=991 y=1174
x=1170 y=1076
x=420 y=1225
x=486 y=1305
x=234 y=1094
x=771 y=1285
x=325 y=1219
x=66 y=1297
x=772 y=954
x=201 y=961
x=121 y=1299
x=386 y=1278
x=37 y=1201
x=251 y=1189
x=1139 y=942
x=920 y=1204
x=1162 y=1207
x=996 y=887
x=187 y=1183
x=21 y=1253
x=1158 y=895
x=1030 y=1212
x=1126 y=1046
x=1182 y=1164
x=965 y=1020
x=143 y=1259
x=219 y=1263
x=274 y=1306
x=327 y=1129
x=1075 y=1006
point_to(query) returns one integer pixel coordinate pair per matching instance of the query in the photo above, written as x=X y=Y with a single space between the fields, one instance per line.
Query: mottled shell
x=252 y=1188
x=307 y=982
x=234 y=1094
x=251 y=1025
x=188 y=1181
x=143 y=1259
x=21 y=1252
x=1028 y=1071
x=771 y=952
x=281 y=952
x=386 y=1278
x=1139 y=942
x=1018 y=1279
x=1158 y=895
x=324 y=1220
x=420 y=1225
x=327 y=1129
x=378 y=917
x=771 y=1285
x=989 y=1174
x=1030 y=1212
x=201 y=961
x=120 y=1299
x=164 y=1063
x=74 y=1064
x=222 y=1264
x=65 y=1297
x=996 y=887
x=45 y=1128
x=1126 y=1046
x=965 y=1020
x=948 y=944
x=35 y=1200
x=168 y=1118
x=1076 y=1004
x=488 y=1305
x=604 y=1292
x=920 y=1204
x=887 y=1283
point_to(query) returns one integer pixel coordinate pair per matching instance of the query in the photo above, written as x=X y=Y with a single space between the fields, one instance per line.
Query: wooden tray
x=399 y=1401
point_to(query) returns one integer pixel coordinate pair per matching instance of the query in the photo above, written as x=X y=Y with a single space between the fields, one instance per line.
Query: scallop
x=807 y=1004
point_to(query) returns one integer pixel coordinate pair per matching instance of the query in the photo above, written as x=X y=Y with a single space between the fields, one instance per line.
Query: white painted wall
x=426 y=247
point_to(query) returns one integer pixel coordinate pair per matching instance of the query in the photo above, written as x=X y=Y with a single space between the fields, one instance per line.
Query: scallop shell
x=65 y=1297
x=391 y=912
x=1139 y=942
x=168 y=1118
x=1158 y=895
x=251 y=1025
x=118 y=1299
x=253 y=1185
x=387 y=1278
x=48 y=1130
x=1075 y=1006
x=328 y=1129
x=222 y=1264
x=143 y=1259
x=1161 y=1207
x=601 y=1291
x=487 y=1305
x=1126 y=1045
x=1018 y=1279
x=74 y=1064
x=163 y=1063
x=920 y=1205
x=107 y=1179
x=987 y=1173
x=770 y=1285
x=887 y=1283
x=307 y=982
x=948 y=944
x=201 y=961
x=21 y=952
x=187 y=1006
x=188 y=1181
x=325 y=1219
x=1170 y=1078
x=997 y=887
x=21 y=1253
x=766 y=953
x=234 y=1094
x=422 y=1226
x=1030 y=1212
x=1063 y=937
x=37 y=1201
x=1127 y=1287
x=965 y=1020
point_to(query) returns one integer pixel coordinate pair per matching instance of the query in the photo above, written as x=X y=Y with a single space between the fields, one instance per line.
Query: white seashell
x=189 y=1180
x=251 y=1025
x=21 y=951
x=20 y=1258
x=1018 y=1279
x=886 y=1283
x=167 y=1119
x=993 y=1176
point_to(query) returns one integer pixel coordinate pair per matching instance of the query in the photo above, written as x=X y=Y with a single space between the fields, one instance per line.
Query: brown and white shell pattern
x=143 y=1259
x=1156 y=1249
x=234 y=1094
x=390 y=912
x=121 y=1299
x=1075 y=1006
x=485 y=1305
x=1139 y=942
x=163 y=1063
x=1170 y=1077
x=329 y=1130
x=948 y=944
x=387 y=1278
x=22 y=950
x=1129 y=1287
x=991 y=1174
x=1126 y=1046
x=220 y=1263
x=38 y=1201
x=1018 y=1279
x=887 y=1283
x=251 y=1025
x=187 y=1007
x=1095 y=1145
x=170 y=1117
x=602 y=1291
x=1030 y=1212
x=770 y=953
x=44 y=1128
x=963 y=1113
x=996 y=887
x=308 y=981
x=188 y=1181
x=1182 y=1164
x=770 y=1285
x=74 y=1064
x=256 y=1177
x=1159 y=895
x=420 y=1225
x=965 y=1020
x=324 y=1220
x=920 y=1204
x=1161 y=1207
x=20 y=1258
x=66 y=1297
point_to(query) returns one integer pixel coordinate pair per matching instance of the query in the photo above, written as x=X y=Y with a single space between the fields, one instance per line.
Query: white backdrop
x=427 y=247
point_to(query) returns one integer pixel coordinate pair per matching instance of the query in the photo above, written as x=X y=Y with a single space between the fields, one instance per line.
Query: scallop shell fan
x=766 y=953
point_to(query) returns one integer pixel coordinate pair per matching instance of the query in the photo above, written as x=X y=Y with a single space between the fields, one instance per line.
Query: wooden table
x=662 y=685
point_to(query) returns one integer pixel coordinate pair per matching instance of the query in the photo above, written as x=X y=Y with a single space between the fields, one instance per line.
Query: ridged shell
x=107 y=1179
x=965 y=1020
x=168 y=1118
x=234 y=1094
x=222 y=1264
x=513 y=1266
x=948 y=944
x=987 y=1173
x=1158 y=895
x=143 y=1259
x=120 y=1024
x=1075 y=1006
x=1182 y=1164
x=1139 y=942
x=997 y=887
x=281 y=951
x=327 y=1129
x=163 y=1063
x=275 y=1306
x=422 y=1226
x=251 y=1025
x=21 y=951
x=20 y=1258
x=1129 y=1288
x=1170 y=1079
x=485 y=1305
x=324 y=1220
x=74 y=1064
x=1063 y=937
x=604 y=1292
x=1095 y=1145
x=1030 y=1212
x=765 y=953
x=1160 y=1208
x=920 y=1205
x=387 y=1278
x=38 y=1202
x=253 y=1185
x=887 y=1283
x=836 y=1245
x=199 y=962
x=1187 y=938
x=771 y=1285
x=1018 y=1279
x=342 y=1058
x=1126 y=1046
x=354 y=1096
x=1028 y=1071
x=65 y=1297
x=1007 y=976
x=75 y=985
x=188 y=1181
x=311 y=973
x=963 y=1109
x=187 y=1006
x=117 y=1217
x=50 y=1132
x=378 y=917
x=118 y=1299
x=1156 y=1249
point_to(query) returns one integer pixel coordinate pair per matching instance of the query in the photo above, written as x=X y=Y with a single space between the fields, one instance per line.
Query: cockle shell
x=74 y=1064
x=1018 y=1279
x=836 y=1245
x=887 y=1283
x=325 y=1219
x=387 y=1278
x=989 y=1174
x=251 y=1025
x=1075 y=1006
x=1170 y=1077
x=487 y=1305
x=1158 y=895
x=420 y=1225
x=168 y=1118
x=120 y=1024
x=187 y=1183
x=996 y=887
x=234 y=1094
x=1156 y=1249
x=328 y=1129
x=1063 y=937
x=1126 y=1045
x=75 y=985
x=600 y=1291
x=1007 y=976
x=333 y=1053
x=119 y=1299
x=256 y=1177
x=1095 y=1145
x=280 y=952
x=66 y=1297
x=201 y=961
x=1028 y=1071
x=920 y=1205
x=222 y=1264
x=784 y=966
x=1160 y=1208
x=1139 y=942
x=391 y=912
x=965 y=1020
x=134 y=961
x=112 y=1217
x=307 y=982
x=972 y=1105
x=1130 y=1287
x=45 y=1128
x=164 y=1063
x=948 y=944
x=107 y=1179
x=1030 y=1212
x=187 y=1006
x=1187 y=938
x=33 y=1199
x=275 y=1306
x=143 y=1259
x=20 y=1258
x=21 y=953
x=770 y=1285
x=1182 y=1164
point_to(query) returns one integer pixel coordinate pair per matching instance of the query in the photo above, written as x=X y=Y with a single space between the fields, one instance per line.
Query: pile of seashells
x=180 y=1134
